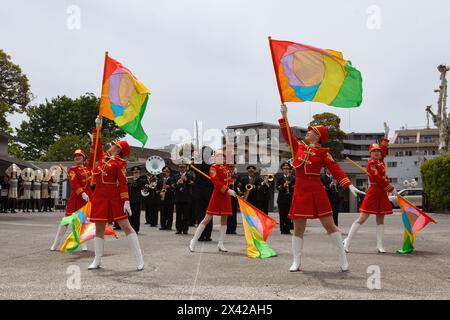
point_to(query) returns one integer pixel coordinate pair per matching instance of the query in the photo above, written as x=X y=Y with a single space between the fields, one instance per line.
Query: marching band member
x=376 y=200
x=310 y=199
x=167 y=199
x=37 y=191
x=153 y=186
x=135 y=185
x=220 y=202
x=285 y=187
x=263 y=194
x=251 y=184
x=79 y=179
x=4 y=194
x=183 y=184
x=110 y=202
x=13 y=192
x=45 y=194
x=332 y=187
x=26 y=197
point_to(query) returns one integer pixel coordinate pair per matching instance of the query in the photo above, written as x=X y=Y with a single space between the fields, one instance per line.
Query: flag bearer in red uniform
x=376 y=200
x=79 y=179
x=110 y=198
x=310 y=200
x=220 y=202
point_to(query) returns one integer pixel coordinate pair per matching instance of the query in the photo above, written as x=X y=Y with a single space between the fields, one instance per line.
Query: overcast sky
x=209 y=59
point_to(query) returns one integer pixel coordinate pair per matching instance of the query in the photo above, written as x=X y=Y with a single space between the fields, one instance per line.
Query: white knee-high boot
x=337 y=240
x=353 y=230
x=136 y=248
x=59 y=236
x=84 y=246
x=297 y=246
x=223 y=230
x=98 y=247
x=380 y=234
x=197 y=234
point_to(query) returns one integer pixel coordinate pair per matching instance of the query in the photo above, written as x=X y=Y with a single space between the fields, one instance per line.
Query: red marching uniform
x=220 y=202
x=376 y=200
x=111 y=189
x=79 y=179
x=310 y=200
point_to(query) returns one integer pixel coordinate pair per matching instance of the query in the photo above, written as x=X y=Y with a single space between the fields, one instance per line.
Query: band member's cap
x=166 y=168
x=251 y=168
x=374 y=146
x=136 y=168
x=124 y=147
x=321 y=131
x=79 y=152
x=285 y=165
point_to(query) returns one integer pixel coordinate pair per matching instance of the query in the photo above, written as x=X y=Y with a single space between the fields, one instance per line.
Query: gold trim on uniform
x=223 y=189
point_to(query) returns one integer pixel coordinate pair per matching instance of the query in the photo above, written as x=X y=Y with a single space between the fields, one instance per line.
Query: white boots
x=297 y=246
x=99 y=246
x=380 y=234
x=135 y=247
x=337 y=240
x=199 y=231
x=197 y=234
x=59 y=237
x=223 y=230
x=353 y=230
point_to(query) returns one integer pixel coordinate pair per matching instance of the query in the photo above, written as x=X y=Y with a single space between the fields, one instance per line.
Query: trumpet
x=152 y=183
x=270 y=177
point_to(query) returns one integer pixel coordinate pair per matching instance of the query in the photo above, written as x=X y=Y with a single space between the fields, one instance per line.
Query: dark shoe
x=178 y=232
x=185 y=232
x=201 y=239
x=208 y=239
x=162 y=228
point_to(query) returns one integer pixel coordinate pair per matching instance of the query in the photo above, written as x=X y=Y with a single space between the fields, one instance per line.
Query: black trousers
x=263 y=205
x=182 y=216
x=232 y=220
x=4 y=204
x=167 y=216
x=151 y=213
x=135 y=219
x=201 y=206
x=335 y=207
x=285 y=223
x=45 y=204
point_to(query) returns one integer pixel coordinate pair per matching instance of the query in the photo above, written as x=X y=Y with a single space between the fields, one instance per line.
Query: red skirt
x=310 y=200
x=219 y=204
x=107 y=205
x=76 y=202
x=376 y=201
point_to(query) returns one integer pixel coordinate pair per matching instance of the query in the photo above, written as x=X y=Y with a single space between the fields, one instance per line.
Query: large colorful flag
x=414 y=220
x=82 y=229
x=257 y=227
x=124 y=99
x=306 y=73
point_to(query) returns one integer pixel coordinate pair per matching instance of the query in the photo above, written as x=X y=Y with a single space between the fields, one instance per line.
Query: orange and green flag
x=257 y=227
x=414 y=220
x=124 y=99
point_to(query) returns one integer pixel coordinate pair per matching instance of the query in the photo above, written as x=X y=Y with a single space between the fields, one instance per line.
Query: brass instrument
x=249 y=187
x=271 y=177
x=154 y=166
x=152 y=183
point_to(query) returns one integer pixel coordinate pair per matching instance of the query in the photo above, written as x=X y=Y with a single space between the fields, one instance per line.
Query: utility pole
x=441 y=118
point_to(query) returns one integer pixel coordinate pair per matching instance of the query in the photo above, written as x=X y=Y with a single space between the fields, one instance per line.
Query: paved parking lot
x=28 y=270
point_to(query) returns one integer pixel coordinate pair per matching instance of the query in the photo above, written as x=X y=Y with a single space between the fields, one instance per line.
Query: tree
x=15 y=92
x=436 y=182
x=62 y=150
x=336 y=135
x=61 y=117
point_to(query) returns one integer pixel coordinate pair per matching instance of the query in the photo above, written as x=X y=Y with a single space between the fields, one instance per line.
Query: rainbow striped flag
x=124 y=99
x=306 y=73
x=82 y=229
x=414 y=220
x=257 y=227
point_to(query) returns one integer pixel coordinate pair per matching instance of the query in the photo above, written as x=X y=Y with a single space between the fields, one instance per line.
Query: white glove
x=127 y=208
x=91 y=137
x=85 y=197
x=98 y=121
x=231 y=193
x=386 y=129
x=283 y=109
x=355 y=190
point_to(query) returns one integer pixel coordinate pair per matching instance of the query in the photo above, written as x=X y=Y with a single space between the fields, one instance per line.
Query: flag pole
x=100 y=117
x=288 y=127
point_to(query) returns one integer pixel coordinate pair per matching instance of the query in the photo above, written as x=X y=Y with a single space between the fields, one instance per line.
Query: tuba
x=27 y=174
x=13 y=171
x=55 y=172
x=154 y=166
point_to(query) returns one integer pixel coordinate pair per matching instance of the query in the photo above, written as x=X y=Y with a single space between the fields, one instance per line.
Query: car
x=413 y=195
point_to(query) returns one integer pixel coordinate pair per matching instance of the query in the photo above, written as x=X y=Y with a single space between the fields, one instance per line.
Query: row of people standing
x=27 y=196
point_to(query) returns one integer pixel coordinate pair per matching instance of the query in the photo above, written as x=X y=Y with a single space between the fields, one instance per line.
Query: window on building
x=392 y=164
x=393 y=180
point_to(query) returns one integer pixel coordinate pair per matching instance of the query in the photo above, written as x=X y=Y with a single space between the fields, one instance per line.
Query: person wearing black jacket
x=236 y=187
x=167 y=199
x=202 y=190
x=135 y=185
x=263 y=194
x=4 y=194
x=183 y=193
x=152 y=186
x=332 y=187
x=253 y=180
x=285 y=187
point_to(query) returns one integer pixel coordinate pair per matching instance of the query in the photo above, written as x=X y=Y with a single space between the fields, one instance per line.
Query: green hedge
x=436 y=183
